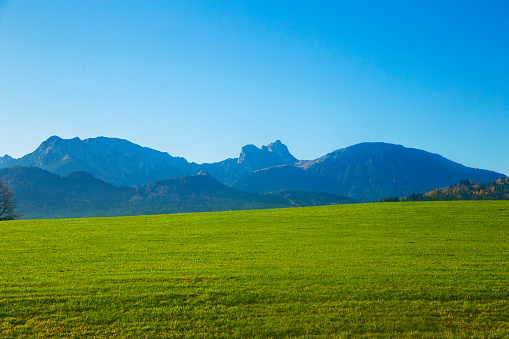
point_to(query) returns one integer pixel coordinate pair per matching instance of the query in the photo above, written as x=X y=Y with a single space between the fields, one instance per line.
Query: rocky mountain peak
x=274 y=154
x=282 y=152
x=248 y=152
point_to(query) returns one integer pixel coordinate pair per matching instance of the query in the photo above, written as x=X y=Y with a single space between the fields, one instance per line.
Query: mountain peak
x=53 y=139
x=116 y=161
x=274 y=154
x=6 y=161
x=282 y=151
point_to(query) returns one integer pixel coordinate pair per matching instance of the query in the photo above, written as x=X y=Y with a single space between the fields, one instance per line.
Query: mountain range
x=365 y=172
x=42 y=194
x=115 y=161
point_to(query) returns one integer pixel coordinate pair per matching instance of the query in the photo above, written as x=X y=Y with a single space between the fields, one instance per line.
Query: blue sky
x=200 y=79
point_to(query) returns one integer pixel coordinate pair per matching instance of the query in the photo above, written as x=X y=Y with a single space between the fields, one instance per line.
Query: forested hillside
x=41 y=194
x=498 y=189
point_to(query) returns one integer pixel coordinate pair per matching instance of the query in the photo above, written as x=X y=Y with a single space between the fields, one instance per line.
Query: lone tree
x=7 y=203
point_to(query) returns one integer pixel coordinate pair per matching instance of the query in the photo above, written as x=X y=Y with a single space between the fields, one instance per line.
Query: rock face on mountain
x=367 y=172
x=116 y=161
x=274 y=154
x=251 y=158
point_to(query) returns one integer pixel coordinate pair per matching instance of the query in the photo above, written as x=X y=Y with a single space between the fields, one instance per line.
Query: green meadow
x=383 y=270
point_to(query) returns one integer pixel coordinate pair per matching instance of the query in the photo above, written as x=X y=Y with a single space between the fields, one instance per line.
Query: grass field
x=418 y=270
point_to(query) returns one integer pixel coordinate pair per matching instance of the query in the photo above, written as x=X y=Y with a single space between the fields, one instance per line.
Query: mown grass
x=417 y=270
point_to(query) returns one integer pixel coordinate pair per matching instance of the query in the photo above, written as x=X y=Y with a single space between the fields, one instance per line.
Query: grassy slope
x=432 y=269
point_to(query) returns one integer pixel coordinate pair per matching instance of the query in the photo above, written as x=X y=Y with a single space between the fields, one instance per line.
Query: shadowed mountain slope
x=42 y=194
x=366 y=172
x=122 y=163
x=116 y=161
x=286 y=177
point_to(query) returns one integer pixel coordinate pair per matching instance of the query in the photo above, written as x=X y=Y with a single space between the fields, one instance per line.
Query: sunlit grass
x=433 y=269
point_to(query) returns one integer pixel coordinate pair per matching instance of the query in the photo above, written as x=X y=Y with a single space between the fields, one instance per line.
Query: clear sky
x=201 y=79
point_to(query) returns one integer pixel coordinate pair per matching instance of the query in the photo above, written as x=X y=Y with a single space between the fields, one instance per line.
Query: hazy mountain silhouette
x=365 y=172
x=369 y=171
x=285 y=177
x=116 y=161
x=7 y=161
x=122 y=163
x=42 y=194
x=251 y=158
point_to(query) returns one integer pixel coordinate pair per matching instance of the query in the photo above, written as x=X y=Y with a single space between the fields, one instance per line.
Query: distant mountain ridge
x=116 y=161
x=42 y=194
x=365 y=172
x=122 y=163
x=251 y=158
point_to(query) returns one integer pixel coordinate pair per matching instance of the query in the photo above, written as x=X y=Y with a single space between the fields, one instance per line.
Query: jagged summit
x=274 y=154
x=282 y=152
x=251 y=158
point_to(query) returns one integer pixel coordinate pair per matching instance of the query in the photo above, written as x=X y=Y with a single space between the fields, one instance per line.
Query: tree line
x=498 y=189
